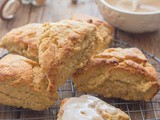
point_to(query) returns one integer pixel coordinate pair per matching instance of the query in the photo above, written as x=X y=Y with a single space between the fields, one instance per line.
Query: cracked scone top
x=88 y=107
x=64 y=47
x=22 y=41
x=105 y=30
x=23 y=84
x=66 y=43
x=127 y=70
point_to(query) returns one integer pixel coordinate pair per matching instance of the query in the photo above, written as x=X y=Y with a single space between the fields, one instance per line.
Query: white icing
x=86 y=108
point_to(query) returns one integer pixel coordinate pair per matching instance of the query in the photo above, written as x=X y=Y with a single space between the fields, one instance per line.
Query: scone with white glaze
x=118 y=73
x=88 y=107
x=23 y=84
x=22 y=40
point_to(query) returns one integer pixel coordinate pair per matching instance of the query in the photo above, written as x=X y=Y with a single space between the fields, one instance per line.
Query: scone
x=105 y=30
x=118 y=73
x=87 y=107
x=22 y=41
x=64 y=47
x=22 y=84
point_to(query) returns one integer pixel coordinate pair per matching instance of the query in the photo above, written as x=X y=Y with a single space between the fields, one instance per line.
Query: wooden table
x=56 y=10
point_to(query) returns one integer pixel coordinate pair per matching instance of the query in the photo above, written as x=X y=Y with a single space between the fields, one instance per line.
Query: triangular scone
x=118 y=73
x=105 y=30
x=22 y=41
x=22 y=84
x=88 y=107
x=64 y=47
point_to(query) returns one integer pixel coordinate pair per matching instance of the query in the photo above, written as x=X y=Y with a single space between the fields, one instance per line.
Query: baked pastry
x=61 y=39
x=22 y=40
x=22 y=84
x=105 y=30
x=87 y=107
x=64 y=47
x=118 y=73
x=59 y=49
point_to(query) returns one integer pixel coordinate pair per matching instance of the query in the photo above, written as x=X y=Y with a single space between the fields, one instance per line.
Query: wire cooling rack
x=136 y=110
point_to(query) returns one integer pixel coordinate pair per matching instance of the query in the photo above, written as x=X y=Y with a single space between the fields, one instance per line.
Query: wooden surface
x=56 y=10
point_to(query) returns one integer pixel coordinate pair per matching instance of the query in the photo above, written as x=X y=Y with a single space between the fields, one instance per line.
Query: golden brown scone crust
x=105 y=30
x=64 y=47
x=22 y=40
x=96 y=106
x=22 y=84
x=59 y=49
x=118 y=73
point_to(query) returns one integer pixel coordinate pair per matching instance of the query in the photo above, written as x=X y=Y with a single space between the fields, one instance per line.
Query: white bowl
x=135 y=22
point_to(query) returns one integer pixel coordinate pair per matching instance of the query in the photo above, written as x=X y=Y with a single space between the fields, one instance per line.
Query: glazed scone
x=64 y=47
x=88 y=107
x=105 y=30
x=118 y=73
x=22 y=41
x=22 y=84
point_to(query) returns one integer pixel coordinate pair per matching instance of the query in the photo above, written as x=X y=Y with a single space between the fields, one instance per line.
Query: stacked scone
x=43 y=56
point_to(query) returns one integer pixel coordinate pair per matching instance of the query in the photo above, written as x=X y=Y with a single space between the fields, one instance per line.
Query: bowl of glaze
x=134 y=22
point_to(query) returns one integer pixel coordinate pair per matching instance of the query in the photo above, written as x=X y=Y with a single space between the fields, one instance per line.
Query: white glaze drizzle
x=86 y=107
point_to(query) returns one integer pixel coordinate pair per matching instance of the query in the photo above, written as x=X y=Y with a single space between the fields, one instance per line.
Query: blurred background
x=52 y=10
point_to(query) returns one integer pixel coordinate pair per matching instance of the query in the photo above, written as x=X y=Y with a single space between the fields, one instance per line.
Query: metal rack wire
x=136 y=110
